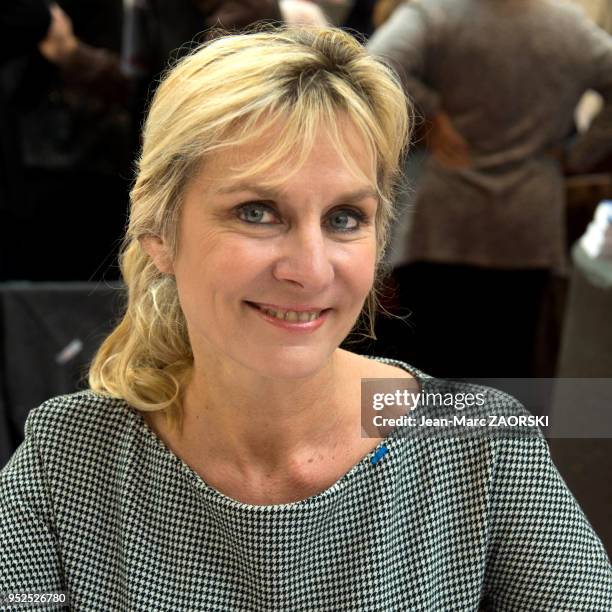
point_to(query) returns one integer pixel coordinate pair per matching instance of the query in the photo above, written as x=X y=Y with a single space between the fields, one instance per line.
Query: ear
x=157 y=250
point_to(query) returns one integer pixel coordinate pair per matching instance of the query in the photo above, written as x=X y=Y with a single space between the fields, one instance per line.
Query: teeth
x=292 y=316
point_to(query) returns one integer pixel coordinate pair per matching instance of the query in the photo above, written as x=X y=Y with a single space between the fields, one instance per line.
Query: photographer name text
x=491 y=420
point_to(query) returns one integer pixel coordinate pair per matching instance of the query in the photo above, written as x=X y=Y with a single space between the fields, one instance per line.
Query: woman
x=217 y=463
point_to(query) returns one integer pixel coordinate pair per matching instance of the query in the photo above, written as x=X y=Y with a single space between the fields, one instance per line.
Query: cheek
x=220 y=271
x=356 y=268
x=366 y=278
x=367 y=272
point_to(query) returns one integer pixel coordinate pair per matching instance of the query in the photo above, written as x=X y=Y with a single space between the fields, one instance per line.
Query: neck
x=264 y=425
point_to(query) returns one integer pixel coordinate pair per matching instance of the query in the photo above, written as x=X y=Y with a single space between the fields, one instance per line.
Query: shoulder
x=78 y=410
x=80 y=426
x=449 y=417
x=440 y=395
x=373 y=366
x=71 y=441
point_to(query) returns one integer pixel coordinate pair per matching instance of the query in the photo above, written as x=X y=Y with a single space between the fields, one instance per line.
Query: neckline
x=364 y=463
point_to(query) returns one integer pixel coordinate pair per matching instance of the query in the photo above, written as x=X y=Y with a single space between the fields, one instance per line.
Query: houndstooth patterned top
x=93 y=503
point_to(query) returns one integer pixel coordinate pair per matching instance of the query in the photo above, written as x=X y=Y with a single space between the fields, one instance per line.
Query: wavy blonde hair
x=229 y=92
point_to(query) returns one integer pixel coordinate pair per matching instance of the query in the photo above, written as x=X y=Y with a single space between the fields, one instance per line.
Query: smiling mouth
x=291 y=316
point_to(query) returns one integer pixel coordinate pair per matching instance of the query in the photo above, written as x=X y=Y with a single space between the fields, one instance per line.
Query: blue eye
x=339 y=221
x=346 y=220
x=254 y=213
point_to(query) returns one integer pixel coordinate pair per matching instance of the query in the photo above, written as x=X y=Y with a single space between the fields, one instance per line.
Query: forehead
x=275 y=156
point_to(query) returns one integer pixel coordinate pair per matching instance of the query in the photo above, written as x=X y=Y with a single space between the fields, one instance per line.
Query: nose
x=304 y=260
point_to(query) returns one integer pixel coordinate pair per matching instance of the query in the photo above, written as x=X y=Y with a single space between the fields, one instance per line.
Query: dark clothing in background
x=71 y=152
x=23 y=23
x=166 y=30
x=172 y=27
x=360 y=17
x=445 y=313
x=159 y=32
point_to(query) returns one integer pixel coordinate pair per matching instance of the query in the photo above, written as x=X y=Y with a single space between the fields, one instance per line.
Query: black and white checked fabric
x=94 y=503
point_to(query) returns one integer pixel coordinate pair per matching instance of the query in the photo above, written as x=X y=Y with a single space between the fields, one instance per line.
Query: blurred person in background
x=360 y=18
x=302 y=12
x=23 y=25
x=354 y=16
x=383 y=10
x=498 y=82
x=158 y=33
x=68 y=142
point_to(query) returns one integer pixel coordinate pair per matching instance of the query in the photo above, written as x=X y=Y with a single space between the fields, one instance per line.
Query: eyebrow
x=274 y=194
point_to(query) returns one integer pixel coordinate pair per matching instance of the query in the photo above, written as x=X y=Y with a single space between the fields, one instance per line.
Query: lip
x=296 y=308
x=295 y=326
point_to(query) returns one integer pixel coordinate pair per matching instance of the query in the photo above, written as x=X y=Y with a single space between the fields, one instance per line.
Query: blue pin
x=379 y=454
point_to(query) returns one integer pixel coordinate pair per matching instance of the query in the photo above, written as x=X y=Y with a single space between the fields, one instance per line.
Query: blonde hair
x=228 y=92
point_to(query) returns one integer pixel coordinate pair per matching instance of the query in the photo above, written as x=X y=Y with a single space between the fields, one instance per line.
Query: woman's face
x=274 y=279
